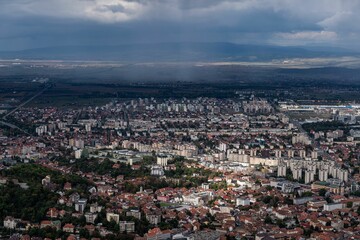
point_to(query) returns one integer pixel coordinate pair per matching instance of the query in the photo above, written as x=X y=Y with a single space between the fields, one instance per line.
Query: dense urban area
x=233 y=164
x=179 y=119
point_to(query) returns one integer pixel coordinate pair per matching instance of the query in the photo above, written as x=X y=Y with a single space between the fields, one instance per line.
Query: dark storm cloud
x=37 y=23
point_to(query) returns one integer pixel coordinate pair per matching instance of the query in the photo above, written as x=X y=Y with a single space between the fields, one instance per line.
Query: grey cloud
x=115 y=8
x=26 y=23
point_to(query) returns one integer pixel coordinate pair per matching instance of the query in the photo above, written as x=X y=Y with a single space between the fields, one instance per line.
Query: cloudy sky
x=41 y=23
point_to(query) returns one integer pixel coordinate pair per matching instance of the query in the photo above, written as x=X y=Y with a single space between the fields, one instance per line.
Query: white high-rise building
x=88 y=127
x=281 y=170
x=297 y=173
x=162 y=160
x=222 y=147
x=78 y=153
x=301 y=138
x=314 y=154
x=252 y=152
x=343 y=175
x=290 y=153
x=334 y=172
x=312 y=167
x=41 y=130
x=309 y=176
x=302 y=153
x=278 y=153
x=157 y=170
x=205 y=186
x=323 y=175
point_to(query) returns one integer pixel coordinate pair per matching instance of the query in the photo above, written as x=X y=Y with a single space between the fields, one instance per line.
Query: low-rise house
x=90 y=228
x=52 y=213
x=53 y=224
x=67 y=186
x=157 y=234
x=69 y=228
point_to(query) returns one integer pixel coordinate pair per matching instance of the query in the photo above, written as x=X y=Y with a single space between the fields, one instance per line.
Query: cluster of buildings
x=269 y=178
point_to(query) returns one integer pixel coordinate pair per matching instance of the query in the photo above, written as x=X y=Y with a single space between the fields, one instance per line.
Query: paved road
x=22 y=130
x=299 y=126
x=19 y=106
x=14 y=127
x=26 y=102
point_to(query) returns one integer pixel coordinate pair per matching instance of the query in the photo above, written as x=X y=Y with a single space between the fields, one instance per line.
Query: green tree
x=268 y=219
x=322 y=192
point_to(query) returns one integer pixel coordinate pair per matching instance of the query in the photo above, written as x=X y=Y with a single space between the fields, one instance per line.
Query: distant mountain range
x=176 y=52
